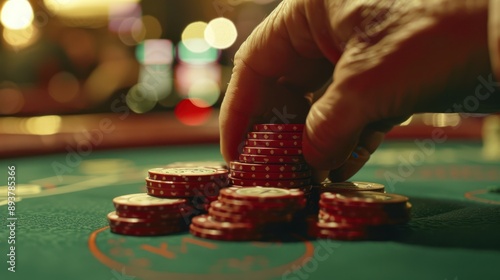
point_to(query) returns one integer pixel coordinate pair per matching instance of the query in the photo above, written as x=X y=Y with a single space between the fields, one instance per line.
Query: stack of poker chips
x=199 y=186
x=249 y=213
x=272 y=157
x=144 y=215
x=357 y=215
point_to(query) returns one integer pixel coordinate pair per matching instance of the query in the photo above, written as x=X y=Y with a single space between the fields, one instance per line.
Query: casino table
x=61 y=229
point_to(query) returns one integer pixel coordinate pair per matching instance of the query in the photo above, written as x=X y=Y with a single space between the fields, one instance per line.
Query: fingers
x=368 y=143
x=271 y=60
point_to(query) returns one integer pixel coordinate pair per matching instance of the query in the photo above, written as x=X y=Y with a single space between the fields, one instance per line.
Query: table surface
x=62 y=229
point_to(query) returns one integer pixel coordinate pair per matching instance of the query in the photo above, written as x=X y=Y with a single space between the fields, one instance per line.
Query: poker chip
x=206 y=222
x=351 y=187
x=181 y=186
x=240 y=205
x=160 y=215
x=261 y=194
x=274 y=143
x=178 y=193
x=145 y=202
x=270 y=159
x=211 y=164
x=270 y=176
x=271 y=183
x=361 y=220
x=274 y=135
x=187 y=174
x=115 y=220
x=366 y=198
x=273 y=168
x=278 y=127
x=223 y=235
x=272 y=151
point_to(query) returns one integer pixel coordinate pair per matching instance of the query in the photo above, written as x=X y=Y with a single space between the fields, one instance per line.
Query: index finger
x=270 y=58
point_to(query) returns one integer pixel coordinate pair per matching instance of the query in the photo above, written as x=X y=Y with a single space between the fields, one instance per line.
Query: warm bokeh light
x=11 y=100
x=205 y=90
x=156 y=80
x=220 y=33
x=131 y=31
x=44 y=125
x=141 y=98
x=63 y=87
x=188 y=74
x=188 y=56
x=20 y=38
x=155 y=51
x=119 y=12
x=83 y=8
x=16 y=14
x=193 y=37
x=190 y=114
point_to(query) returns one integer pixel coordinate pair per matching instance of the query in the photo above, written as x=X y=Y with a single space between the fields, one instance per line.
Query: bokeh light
x=16 y=14
x=186 y=55
x=11 y=100
x=141 y=98
x=155 y=51
x=44 y=125
x=63 y=87
x=187 y=74
x=20 y=38
x=205 y=90
x=190 y=114
x=119 y=12
x=220 y=33
x=83 y=8
x=192 y=37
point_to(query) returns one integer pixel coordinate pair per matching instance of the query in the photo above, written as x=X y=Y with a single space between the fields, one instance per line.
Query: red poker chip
x=223 y=235
x=272 y=168
x=211 y=164
x=371 y=221
x=274 y=135
x=270 y=176
x=151 y=215
x=174 y=193
x=261 y=219
x=278 y=127
x=187 y=174
x=272 y=151
x=262 y=194
x=208 y=185
x=206 y=222
x=354 y=186
x=270 y=159
x=145 y=202
x=116 y=220
x=365 y=198
x=240 y=205
x=364 y=211
x=274 y=143
x=271 y=183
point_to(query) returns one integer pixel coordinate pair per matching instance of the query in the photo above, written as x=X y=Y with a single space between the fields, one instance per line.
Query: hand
x=388 y=60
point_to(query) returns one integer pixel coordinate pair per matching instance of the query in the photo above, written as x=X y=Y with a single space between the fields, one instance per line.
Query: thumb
x=333 y=127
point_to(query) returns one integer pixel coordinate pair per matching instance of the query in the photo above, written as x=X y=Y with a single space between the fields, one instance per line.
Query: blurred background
x=130 y=73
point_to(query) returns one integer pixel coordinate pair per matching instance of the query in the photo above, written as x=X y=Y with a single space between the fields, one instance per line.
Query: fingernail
x=354 y=155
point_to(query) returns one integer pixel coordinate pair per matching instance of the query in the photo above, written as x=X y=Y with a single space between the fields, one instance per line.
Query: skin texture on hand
x=388 y=59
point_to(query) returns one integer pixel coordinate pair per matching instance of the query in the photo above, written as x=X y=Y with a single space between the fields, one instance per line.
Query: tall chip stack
x=272 y=157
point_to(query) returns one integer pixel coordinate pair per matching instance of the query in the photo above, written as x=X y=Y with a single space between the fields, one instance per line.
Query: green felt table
x=61 y=228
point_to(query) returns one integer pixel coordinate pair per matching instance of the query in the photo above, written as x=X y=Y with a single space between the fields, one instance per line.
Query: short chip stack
x=143 y=215
x=197 y=185
x=357 y=215
x=272 y=157
x=249 y=213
